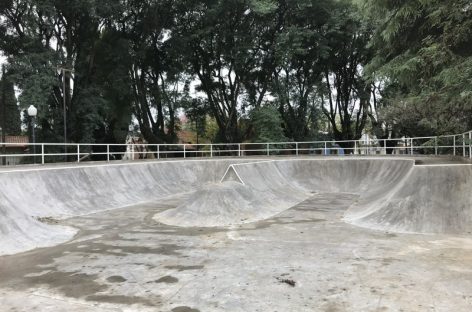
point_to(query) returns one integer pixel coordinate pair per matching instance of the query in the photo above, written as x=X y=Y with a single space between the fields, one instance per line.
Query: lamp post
x=3 y=147
x=4 y=116
x=131 y=141
x=32 y=112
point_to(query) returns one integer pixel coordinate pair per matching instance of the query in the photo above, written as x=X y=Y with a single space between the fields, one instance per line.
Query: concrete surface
x=122 y=260
x=60 y=192
x=285 y=246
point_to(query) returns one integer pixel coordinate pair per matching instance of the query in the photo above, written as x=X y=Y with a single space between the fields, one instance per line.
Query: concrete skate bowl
x=392 y=194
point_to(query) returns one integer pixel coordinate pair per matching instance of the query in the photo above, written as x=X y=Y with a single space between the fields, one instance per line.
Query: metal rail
x=454 y=145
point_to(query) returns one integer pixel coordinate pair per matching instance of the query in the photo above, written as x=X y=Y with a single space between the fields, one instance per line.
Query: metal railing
x=43 y=153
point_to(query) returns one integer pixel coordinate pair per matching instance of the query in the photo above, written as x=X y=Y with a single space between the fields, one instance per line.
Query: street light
x=4 y=115
x=32 y=112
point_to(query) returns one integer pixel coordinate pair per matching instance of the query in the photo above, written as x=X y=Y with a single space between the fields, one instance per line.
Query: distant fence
x=43 y=153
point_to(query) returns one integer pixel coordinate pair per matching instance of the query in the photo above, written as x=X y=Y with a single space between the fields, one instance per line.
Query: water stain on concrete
x=184 y=309
x=119 y=299
x=181 y=268
x=70 y=284
x=167 y=279
x=388 y=261
x=116 y=279
x=119 y=250
x=260 y=225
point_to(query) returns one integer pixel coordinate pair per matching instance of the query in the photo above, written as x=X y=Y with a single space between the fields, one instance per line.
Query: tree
x=346 y=91
x=157 y=79
x=424 y=50
x=12 y=119
x=267 y=125
x=300 y=52
x=226 y=52
x=197 y=111
x=314 y=60
x=43 y=36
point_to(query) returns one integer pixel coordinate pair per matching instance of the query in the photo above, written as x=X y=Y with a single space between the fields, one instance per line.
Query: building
x=15 y=144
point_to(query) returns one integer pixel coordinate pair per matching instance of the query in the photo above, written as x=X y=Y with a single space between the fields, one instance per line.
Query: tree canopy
x=257 y=69
x=424 y=59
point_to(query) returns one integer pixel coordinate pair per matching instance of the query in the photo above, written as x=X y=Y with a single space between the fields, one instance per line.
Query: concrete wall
x=394 y=194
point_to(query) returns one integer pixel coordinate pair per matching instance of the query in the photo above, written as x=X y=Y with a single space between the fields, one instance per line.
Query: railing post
x=267 y=147
x=42 y=153
x=325 y=152
x=454 y=144
x=78 y=153
x=108 y=152
x=436 y=146
x=470 y=145
x=158 y=151
x=411 y=146
x=132 y=151
x=211 y=150
x=463 y=144
x=296 y=148
x=355 y=147
x=239 y=150
x=385 y=147
x=185 y=154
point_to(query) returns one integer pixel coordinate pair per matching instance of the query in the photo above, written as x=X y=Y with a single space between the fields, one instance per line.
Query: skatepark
x=311 y=233
x=235 y=156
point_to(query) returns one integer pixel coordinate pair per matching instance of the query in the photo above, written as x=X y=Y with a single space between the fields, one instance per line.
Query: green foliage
x=35 y=75
x=263 y=7
x=267 y=125
x=347 y=92
x=12 y=124
x=196 y=111
x=301 y=64
x=300 y=51
x=424 y=49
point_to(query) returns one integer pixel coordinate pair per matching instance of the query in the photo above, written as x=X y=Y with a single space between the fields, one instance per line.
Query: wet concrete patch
x=388 y=261
x=167 y=279
x=181 y=268
x=123 y=250
x=184 y=309
x=119 y=299
x=116 y=279
x=71 y=284
x=260 y=225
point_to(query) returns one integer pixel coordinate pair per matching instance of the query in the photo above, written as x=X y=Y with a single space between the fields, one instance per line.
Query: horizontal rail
x=41 y=153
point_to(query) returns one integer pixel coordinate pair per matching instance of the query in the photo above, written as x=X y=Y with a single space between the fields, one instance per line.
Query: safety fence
x=43 y=153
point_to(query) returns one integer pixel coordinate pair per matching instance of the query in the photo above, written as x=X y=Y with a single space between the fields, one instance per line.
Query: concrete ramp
x=27 y=196
x=433 y=199
x=393 y=194
x=231 y=175
x=247 y=192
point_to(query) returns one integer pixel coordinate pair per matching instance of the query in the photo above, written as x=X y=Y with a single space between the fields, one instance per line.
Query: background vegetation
x=239 y=70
